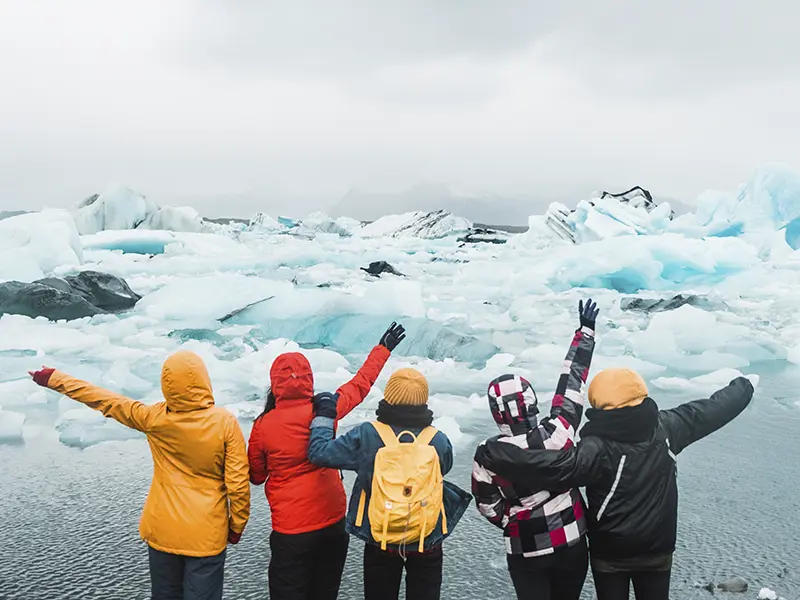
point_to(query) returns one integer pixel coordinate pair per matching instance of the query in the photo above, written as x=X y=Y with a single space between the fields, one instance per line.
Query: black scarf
x=417 y=417
x=630 y=425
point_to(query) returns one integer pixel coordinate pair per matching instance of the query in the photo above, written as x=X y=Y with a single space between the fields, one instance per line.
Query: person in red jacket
x=308 y=542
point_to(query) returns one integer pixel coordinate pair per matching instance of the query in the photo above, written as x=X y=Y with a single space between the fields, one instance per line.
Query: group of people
x=525 y=481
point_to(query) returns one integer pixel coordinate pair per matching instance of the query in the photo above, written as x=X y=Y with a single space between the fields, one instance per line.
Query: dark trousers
x=557 y=576
x=307 y=566
x=383 y=573
x=175 y=577
x=647 y=585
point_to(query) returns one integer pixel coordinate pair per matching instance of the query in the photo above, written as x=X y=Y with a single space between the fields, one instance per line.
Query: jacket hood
x=291 y=377
x=185 y=382
x=613 y=389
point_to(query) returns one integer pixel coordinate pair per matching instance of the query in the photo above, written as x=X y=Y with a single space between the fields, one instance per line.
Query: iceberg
x=35 y=244
x=11 y=424
x=130 y=242
x=322 y=223
x=768 y=202
x=120 y=207
x=431 y=225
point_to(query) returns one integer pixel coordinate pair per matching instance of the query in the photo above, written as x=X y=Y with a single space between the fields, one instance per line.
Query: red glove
x=233 y=537
x=42 y=376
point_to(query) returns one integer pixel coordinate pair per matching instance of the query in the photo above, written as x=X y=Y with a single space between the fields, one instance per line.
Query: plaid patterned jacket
x=537 y=522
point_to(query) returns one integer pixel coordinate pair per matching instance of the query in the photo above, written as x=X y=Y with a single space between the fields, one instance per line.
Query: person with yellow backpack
x=400 y=506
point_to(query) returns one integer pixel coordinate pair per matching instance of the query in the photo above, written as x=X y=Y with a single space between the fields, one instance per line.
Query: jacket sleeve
x=489 y=500
x=693 y=421
x=569 y=399
x=553 y=470
x=352 y=393
x=257 y=456
x=445 y=450
x=236 y=476
x=341 y=453
x=114 y=406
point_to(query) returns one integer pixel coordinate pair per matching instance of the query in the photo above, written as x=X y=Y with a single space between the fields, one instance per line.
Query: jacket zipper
x=613 y=487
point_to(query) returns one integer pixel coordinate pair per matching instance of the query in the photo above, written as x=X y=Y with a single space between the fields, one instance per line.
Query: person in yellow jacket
x=199 y=499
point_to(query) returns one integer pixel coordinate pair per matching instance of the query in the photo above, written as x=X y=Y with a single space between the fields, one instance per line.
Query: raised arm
x=693 y=421
x=569 y=399
x=323 y=449
x=130 y=413
x=554 y=470
x=352 y=393
x=237 y=477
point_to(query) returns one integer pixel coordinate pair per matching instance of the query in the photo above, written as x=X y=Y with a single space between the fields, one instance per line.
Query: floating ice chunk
x=322 y=223
x=767 y=594
x=263 y=222
x=208 y=298
x=432 y=225
x=631 y=264
x=694 y=340
x=11 y=424
x=20 y=333
x=769 y=201
x=83 y=427
x=607 y=217
x=130 y=242
x=175 y=218
x=120 y=207
x=702 y=385
x=34 y=244
x=449 y=426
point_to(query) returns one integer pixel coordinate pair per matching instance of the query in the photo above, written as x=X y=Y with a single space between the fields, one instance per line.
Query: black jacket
x=627 y=461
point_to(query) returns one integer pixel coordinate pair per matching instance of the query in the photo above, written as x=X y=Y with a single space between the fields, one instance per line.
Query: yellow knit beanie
x=406 y=387
x=617 y=388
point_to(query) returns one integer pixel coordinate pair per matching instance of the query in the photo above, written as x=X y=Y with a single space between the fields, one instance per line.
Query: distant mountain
x=491 y=208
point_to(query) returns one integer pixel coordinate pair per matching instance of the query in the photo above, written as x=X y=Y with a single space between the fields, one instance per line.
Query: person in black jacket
x=627 y=460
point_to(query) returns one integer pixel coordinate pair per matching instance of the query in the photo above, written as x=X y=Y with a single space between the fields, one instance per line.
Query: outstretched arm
x=236 y=476
x=114 y=406
x=352 y=393
x=693 y=421
x=546 y=469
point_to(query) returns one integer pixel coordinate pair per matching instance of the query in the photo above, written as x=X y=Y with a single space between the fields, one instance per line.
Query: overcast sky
x=192 y=100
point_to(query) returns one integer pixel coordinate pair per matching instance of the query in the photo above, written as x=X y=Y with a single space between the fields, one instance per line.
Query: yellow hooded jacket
x=200 y=486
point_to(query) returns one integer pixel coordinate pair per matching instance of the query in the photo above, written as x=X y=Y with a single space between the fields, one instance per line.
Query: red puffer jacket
x=302 y=497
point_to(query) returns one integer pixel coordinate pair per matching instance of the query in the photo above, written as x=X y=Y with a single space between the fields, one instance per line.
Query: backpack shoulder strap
x=386 y=432
x=426 y=436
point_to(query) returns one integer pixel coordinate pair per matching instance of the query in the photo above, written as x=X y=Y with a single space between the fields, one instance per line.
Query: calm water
x=68 y=518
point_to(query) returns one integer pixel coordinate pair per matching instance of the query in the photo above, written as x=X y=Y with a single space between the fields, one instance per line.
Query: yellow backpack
x=407 y=489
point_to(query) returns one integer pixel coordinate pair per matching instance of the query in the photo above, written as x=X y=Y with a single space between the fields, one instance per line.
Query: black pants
x=558 y=576
x=307 y=566
x=648 y=585
x=175 y=577
x=383 y=573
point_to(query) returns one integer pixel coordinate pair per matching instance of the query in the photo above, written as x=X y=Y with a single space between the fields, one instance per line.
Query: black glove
x=393 y=336
x=325 y=405
x=588 y=313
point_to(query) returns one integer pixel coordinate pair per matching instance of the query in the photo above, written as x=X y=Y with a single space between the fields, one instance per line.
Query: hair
x=269 y=404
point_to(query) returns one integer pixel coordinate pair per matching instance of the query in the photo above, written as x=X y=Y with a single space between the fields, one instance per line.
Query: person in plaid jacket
x=544 y=531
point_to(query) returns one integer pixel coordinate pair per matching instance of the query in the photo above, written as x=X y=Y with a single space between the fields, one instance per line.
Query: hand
x=588 y=313
x=42 y=376
x=393 y=336
x=233 y=537
x=325 y=405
